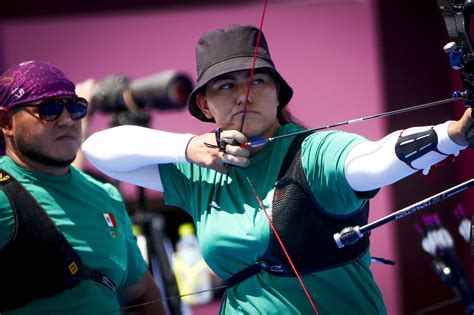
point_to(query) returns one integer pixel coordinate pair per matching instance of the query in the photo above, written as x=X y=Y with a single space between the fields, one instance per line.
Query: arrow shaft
x=259 y=142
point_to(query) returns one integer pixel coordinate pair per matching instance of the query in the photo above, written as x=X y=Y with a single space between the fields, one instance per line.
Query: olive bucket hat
x=222 y=51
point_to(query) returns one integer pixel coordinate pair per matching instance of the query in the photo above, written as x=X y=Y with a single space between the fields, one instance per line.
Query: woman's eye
x=225 y=86
x=257 y=81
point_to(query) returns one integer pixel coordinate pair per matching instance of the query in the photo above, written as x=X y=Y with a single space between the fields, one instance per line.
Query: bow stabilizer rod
x=350 y=235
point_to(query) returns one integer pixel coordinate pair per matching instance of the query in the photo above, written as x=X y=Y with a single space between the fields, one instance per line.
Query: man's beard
x=33 y=153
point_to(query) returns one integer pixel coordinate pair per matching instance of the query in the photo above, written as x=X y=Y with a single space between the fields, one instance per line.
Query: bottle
x=191 y=271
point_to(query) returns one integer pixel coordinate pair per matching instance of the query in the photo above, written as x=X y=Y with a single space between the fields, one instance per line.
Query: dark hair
x=284 y=117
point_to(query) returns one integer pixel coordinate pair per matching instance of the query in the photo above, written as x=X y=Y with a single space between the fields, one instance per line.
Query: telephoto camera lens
x=166 y=90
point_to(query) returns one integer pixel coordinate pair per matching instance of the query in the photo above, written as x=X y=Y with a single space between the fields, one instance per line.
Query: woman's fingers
x=210 y=157
x=235 y=160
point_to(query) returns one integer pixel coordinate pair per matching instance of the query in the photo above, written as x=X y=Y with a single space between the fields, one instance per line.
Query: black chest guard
x=38 y=261
x=304 y=227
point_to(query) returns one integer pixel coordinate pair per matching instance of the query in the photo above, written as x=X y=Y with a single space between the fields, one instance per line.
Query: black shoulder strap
x=263 y=265
x=37 y=224
x=291 y=153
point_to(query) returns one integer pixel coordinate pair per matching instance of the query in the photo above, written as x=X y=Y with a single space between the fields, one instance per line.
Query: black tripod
x=152 y=228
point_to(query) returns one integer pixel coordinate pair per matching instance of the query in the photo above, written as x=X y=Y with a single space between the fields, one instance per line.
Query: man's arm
x=144 y=291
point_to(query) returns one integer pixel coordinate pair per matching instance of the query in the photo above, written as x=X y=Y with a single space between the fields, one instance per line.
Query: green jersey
x=234 y=232
x=93 y=218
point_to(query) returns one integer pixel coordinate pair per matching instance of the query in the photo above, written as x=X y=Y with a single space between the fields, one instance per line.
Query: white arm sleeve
x=131 y=153
x=371 y=165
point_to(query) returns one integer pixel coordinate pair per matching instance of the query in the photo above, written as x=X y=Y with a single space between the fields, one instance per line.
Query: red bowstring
x=284 y=248
x=248 y=179
x=259 y=36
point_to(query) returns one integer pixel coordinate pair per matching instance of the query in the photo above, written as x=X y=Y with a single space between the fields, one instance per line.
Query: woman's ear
x=201 y=102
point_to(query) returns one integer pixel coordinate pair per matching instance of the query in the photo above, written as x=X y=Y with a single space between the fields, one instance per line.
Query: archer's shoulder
x=332 y=138
x=96 y=185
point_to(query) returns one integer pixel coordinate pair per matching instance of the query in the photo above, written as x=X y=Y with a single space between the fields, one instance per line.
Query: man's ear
x=5 y=119
x=201 y=102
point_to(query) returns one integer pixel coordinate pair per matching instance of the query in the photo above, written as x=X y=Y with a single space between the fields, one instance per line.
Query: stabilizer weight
x=347 y=236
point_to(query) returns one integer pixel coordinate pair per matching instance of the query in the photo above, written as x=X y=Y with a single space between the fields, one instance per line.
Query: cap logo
x=17 y=93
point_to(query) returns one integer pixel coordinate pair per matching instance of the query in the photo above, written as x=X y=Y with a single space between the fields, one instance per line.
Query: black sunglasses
x=52 y=109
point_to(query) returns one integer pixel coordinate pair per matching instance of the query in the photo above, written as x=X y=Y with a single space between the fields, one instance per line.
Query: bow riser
x=457 y=17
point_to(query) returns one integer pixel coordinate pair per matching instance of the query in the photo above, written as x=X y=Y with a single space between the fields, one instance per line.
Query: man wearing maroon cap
x=66 y=244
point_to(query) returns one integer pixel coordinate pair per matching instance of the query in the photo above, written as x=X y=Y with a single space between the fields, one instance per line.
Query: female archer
x=310 y=186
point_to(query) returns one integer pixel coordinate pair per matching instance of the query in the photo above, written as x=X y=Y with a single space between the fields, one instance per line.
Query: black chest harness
x=304 y=227
x=38 y=262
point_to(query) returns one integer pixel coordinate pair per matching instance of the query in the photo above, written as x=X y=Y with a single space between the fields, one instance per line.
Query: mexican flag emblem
x=110 y=220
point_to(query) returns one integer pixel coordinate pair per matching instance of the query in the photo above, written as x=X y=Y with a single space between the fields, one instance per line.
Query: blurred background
x=344 y=58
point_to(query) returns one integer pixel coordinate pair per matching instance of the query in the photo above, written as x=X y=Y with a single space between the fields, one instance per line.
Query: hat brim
x=236 y=64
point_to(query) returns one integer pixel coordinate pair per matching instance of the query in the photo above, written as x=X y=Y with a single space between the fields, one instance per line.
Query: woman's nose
x=244 y=94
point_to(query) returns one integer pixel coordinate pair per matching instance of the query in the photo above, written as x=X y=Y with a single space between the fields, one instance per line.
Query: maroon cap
x=33 y=81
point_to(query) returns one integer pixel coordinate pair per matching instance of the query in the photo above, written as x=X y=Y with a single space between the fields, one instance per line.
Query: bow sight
x=457 y=16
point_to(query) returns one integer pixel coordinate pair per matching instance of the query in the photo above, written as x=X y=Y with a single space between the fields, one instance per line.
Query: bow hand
x=462 y=131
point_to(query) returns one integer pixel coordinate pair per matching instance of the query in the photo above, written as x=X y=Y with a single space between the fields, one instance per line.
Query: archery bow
x=457 y=16
x=466 y=94
x=461 y=58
